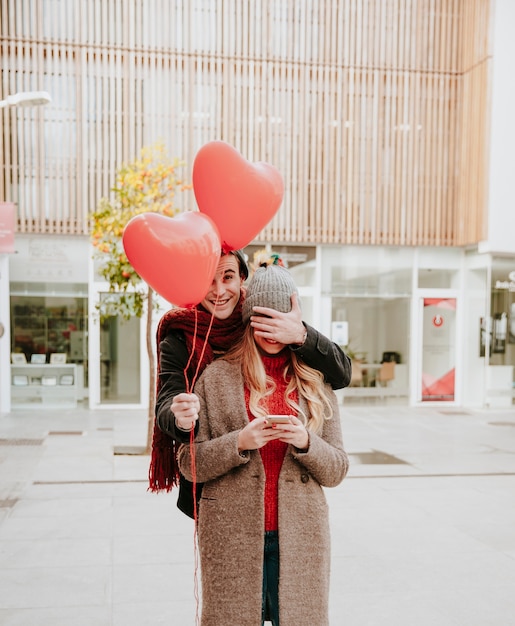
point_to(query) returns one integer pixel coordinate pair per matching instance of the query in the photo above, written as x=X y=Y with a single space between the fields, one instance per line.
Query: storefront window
x=120 y=358
x=51 y=329
x=46 y=325
x=378 y=329
x=300 y=260
x=500 y=328
x=370 y=290
x=502 y=307
x=367 y=271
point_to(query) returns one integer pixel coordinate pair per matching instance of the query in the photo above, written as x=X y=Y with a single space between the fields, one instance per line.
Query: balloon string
x=189 y=389
x=195 y=521
x=203 y=348
x=188 y=386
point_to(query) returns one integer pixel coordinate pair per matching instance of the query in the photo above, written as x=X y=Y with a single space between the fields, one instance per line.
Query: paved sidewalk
x=423 y=528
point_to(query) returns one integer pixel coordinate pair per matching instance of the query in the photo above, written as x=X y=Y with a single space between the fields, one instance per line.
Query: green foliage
x=125 y=304
x=148 y=184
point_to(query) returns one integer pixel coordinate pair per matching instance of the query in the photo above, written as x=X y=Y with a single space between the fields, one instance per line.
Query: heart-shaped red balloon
x=241 y=197
x=177 y=256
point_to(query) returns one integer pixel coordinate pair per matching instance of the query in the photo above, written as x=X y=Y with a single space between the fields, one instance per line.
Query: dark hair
x=242 y=263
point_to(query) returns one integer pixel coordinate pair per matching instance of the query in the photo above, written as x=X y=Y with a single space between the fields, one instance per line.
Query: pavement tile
x=422 y=529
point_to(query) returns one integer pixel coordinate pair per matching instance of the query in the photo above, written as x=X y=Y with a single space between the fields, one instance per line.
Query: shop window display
x=44 y=326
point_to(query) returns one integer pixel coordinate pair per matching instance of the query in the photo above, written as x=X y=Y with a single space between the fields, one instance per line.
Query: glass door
x=437 y=377
x=120 y=361
x=115 y=357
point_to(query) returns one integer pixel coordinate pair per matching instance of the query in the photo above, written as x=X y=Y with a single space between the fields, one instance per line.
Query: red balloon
x=177 y=256
x=241 y=197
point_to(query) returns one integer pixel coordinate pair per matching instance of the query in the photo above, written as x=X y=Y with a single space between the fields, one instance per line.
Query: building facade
x=390 y=123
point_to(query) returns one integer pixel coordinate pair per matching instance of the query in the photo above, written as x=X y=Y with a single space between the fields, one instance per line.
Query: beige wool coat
x=231 y=511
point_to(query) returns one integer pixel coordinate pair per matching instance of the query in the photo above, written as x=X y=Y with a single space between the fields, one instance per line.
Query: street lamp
x=22 y=98
x=26 y=99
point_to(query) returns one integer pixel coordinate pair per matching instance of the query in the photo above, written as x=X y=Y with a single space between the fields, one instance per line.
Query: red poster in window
x=439 y=353
x=7 y=223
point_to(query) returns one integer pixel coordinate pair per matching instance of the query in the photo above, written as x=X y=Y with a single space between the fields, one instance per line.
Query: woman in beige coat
x=264 y=485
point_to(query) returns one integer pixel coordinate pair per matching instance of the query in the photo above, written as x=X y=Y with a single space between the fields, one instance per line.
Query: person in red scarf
x=183 y=353
x=263 y=524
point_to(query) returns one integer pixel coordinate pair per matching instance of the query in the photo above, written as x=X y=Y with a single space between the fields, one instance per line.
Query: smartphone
x=278 y=419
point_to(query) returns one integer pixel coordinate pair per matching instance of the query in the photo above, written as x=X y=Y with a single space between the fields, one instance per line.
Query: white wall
x=501 y=221
x=50 y=258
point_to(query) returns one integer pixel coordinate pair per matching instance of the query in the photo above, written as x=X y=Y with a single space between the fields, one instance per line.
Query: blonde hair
x=308 y=382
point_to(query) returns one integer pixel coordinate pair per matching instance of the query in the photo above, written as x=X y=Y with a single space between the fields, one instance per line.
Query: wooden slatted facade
x=375 y=111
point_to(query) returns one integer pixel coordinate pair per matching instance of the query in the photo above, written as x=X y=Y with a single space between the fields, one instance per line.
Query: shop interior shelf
x=50 y=386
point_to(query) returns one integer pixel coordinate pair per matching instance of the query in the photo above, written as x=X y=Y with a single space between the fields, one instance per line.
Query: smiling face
x=268 y=346
x=224 y=293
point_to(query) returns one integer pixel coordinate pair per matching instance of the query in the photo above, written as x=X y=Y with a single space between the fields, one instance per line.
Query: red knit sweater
x=272 y=454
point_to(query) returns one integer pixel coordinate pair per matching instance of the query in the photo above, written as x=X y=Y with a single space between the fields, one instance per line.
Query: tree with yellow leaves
x=147 y=184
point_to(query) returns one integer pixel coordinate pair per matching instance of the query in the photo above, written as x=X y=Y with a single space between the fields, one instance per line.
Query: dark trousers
x=271 y=578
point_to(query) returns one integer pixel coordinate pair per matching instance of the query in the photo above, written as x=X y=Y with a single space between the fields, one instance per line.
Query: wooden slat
x=375 y=111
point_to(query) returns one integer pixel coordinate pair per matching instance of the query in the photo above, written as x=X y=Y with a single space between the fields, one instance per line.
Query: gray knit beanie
x=271 y=286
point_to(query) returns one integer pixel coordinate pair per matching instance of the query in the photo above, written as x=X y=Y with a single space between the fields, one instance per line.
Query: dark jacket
x=317 y=351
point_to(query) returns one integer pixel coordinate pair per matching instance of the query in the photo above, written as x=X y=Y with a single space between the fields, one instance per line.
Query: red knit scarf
x=163 y=472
